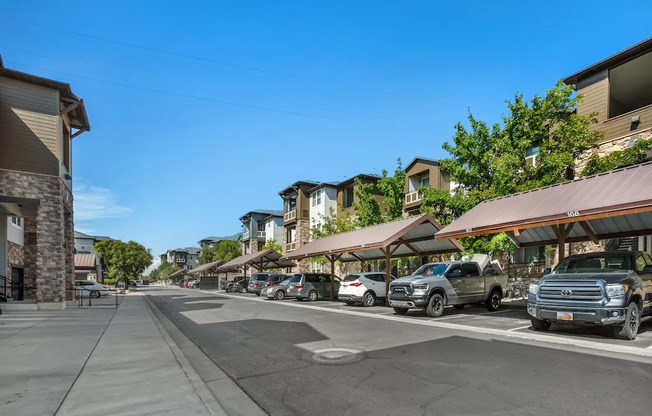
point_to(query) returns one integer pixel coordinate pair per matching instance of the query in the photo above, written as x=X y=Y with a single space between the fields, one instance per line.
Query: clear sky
x=203 y=110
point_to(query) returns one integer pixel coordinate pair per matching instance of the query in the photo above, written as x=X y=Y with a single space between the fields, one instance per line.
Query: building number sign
x=572 y=214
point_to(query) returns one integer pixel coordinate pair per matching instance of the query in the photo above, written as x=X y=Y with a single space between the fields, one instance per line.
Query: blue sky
x=203 y=111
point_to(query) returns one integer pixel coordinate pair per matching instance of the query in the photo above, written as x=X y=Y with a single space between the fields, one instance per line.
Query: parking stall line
x=519 y=328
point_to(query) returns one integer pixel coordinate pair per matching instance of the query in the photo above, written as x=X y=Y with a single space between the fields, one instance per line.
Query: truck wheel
x=540 y=325
x=494 y=300
x=458 y=306
x=400 y=311
x=629 y=329
x=435 y=307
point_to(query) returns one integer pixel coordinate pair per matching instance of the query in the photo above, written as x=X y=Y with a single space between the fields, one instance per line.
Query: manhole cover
x=335 y=356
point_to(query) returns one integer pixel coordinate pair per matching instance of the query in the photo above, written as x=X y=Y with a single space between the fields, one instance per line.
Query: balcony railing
x=289 y=216
x=260 y=234
x=412 y=197
x=181 y=260
x=290 y=246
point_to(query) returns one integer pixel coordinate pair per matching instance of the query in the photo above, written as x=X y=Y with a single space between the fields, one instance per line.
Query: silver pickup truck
x=457 y=283
x=606 y=288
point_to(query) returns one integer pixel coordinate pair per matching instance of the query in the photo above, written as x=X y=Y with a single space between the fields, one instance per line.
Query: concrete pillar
x=30 y=257
x=4 y=267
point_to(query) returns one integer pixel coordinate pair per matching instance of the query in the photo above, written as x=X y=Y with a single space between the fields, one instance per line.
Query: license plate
x=398 y=304
x=564 y=316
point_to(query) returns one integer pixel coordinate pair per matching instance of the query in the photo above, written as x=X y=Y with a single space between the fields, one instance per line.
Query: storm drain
x=335 y=356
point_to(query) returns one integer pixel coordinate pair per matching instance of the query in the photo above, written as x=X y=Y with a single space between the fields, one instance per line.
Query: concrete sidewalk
x=96 y=362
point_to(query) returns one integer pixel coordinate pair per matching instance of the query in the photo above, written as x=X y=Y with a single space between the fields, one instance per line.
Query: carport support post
x=331 y=259
x=388 y=270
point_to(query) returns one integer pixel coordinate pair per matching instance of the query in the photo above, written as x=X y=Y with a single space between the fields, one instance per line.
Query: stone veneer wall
x=606 y=148
x=48 y=250
x=15 y=257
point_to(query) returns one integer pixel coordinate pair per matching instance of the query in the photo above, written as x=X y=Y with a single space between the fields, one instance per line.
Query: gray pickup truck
x=457 y=283
x=606 y=288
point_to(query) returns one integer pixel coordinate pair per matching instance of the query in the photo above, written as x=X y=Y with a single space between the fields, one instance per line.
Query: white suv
x=363 y=287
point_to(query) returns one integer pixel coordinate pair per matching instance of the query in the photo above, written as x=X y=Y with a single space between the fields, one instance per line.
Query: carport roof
x=205 y=267
x=412 y=236
x=609 y=205
x=268 y=259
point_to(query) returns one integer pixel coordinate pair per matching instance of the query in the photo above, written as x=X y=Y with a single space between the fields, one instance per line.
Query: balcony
x=245 y=235
x=412 y=197
x=180 y=260
x=290 y=246
x=290 y=216
x=260 y=234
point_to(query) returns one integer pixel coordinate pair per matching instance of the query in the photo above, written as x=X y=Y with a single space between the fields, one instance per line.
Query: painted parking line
x=518 y=328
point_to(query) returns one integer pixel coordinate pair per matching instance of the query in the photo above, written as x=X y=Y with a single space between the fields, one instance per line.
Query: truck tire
x=629 y=329
x=540 y=325
x=435 y=307
x=494 y=300
x=400 y=311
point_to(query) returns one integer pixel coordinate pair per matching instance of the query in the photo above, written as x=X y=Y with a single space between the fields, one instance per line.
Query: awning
x=206 y=267
x=85 y=261
x=261 y=260
x=412 y=236
x=609 y=205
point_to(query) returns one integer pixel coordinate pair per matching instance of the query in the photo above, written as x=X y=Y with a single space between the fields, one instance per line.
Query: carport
x=261 y=260
x=208 y=267
x=412 y=236
x=609 y=205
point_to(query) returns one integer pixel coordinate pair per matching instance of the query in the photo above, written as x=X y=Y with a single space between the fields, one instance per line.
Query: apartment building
x=422 y=172
x=39 y=118
x=184 y=258
x=260 y=226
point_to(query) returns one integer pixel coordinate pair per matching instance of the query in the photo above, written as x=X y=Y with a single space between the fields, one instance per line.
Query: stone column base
x=51 y=306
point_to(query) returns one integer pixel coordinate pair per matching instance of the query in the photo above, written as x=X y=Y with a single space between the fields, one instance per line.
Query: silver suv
x=312 y=286
x=259 y=280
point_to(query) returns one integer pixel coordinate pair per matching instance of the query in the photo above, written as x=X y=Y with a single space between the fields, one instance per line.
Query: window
x=630 y=85
x=316 y=267
x=424 y=180
x=17 y=221
x=291 y=204
x=316 y=198
x=533 y=254
x=469 y=269
x=261 y=226
x=291 y=235
x=532 y=151
x=348 y=197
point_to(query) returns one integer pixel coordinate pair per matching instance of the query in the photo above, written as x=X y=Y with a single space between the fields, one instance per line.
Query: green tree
x=393 y=190
x=163 y=271
x=333 y=224
x=367 y=208
x=125 y=261
x=491 y=162
x=273 y=245
x=227 y=250
x=206 y=254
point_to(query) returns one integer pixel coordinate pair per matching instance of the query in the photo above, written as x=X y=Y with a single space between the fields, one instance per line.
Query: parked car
x=260 y=280
x=193 y=284
x=277 y=291
x=433 y=286
x=94 y=289
x=363 y=287
x=240 y=286
x=226 y=284
x=607 y=288
x=311 y=286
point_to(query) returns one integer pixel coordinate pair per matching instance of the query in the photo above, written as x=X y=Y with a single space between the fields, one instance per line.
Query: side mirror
x=647 y=270
x=547 y=270
x=454 y=273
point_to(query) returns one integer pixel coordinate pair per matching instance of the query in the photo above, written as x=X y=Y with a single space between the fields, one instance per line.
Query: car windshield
x=284 y=282
x=596 y=263
x=351 y=278
x=296 y=278
x=259 y=277
x=436 y=269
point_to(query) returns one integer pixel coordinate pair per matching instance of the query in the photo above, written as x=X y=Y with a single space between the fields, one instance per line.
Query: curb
x=220 y=394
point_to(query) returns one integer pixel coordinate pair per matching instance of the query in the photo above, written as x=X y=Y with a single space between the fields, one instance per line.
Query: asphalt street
x=297 y=359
